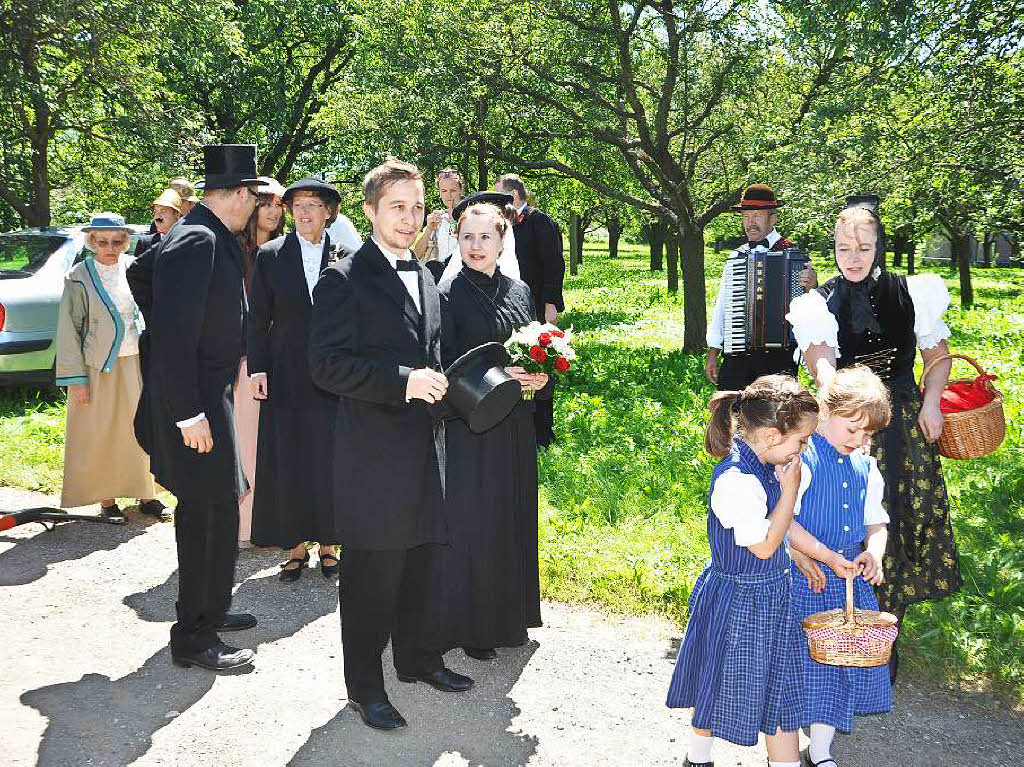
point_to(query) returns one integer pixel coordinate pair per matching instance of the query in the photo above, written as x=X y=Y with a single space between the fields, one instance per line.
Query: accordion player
x=759 y=286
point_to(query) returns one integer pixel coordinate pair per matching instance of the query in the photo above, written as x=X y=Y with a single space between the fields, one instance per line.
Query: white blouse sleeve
x=805 y=481
x=716 y=328
x=812 y=322
x=874 y=511
x=741 y=505
x=931 y=299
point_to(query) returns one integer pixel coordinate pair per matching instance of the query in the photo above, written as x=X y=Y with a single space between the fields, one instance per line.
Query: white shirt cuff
x=253 y=375
x=190 y=421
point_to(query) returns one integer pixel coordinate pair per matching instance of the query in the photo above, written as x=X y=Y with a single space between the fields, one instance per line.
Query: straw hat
x=169 y=199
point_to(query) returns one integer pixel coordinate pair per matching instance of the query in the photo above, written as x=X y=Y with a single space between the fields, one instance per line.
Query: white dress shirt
x=312 y=255
x=716 y=328
x=409 y=279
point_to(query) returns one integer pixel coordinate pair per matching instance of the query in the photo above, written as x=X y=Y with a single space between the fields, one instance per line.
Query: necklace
x=492 y=299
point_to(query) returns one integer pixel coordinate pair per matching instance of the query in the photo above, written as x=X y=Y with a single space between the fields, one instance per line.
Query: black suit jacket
x=365 y=340
x=277 y=325
x=541 y=263
x=195 y=325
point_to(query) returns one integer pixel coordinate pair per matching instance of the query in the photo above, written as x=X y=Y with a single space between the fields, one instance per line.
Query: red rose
x=562 y=365
x=537 y=354
x=544 y=339
x=558 y=333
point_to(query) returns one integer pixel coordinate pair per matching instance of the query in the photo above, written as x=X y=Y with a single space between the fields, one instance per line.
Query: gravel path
x=85 y=679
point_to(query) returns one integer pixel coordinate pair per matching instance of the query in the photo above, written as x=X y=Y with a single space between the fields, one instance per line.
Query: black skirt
x=293 y=496
x=489 y=591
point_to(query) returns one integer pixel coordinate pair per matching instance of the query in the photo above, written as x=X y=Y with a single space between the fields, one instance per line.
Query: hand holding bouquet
x=541 y=349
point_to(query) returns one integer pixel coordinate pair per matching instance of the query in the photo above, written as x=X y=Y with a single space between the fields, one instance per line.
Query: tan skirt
x=247 y=427
x=101 y=456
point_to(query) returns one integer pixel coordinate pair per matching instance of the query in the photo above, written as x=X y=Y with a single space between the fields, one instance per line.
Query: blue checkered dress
x=832 y=510
x=739 y=663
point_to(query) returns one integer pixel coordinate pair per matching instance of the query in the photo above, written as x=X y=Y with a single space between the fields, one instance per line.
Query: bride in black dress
x=490 y=587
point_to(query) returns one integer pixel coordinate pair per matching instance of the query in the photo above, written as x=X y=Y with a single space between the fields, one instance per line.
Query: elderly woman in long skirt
x=98 y=361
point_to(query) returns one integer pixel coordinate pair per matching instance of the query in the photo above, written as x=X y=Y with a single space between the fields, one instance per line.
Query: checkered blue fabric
x=739 y=664
x=832 y=510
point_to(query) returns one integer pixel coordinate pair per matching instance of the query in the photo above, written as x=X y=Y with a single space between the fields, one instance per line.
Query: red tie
x=519 y=218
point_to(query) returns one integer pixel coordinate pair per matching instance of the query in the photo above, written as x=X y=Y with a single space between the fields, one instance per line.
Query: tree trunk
x=988 y=248
x=481 y=166
x=899 y=247
x=574 y=243
x=695 y=312
x=614 y=233
x=961 y=245
x=39 y=204
x=656 y=240
x=911 y=251
x=672 y=257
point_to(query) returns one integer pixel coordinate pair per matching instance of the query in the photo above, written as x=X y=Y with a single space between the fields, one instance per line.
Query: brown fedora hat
x=758 y=197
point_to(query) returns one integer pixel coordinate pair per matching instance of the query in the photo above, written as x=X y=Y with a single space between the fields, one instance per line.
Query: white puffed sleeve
x=805 y=481
x=874 y=511
x=741 y=505
x=716 y=328
x=812 y=322
x=931 y=299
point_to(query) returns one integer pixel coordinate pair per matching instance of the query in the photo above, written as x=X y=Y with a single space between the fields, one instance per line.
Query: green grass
x=624 y=487
x=19 y=262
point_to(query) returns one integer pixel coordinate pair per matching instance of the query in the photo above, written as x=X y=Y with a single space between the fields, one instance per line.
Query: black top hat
x=868 y=201
x=494 y=198
x=229 y=165
x=479 y=390
x=758 y=197
x=312 y=184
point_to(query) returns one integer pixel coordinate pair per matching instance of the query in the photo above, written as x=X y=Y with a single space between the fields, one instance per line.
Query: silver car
x=33 y=263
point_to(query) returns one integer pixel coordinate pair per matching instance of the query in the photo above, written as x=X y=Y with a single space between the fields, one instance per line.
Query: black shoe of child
x=805 y=760
x=688 y=763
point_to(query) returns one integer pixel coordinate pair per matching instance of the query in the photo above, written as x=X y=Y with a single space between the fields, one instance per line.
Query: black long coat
x=195 y=327
x=539 y=252
x=365 y=340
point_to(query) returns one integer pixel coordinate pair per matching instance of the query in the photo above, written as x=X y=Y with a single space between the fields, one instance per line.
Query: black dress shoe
x=805 y=760
x=379 y=716
x=329 y=570
x=237 y=622
x=111 y=511
x=154 y=508
x=289 y=574
x=218 y=657
x=480 y=653
x=688 y=763
x=443 y=679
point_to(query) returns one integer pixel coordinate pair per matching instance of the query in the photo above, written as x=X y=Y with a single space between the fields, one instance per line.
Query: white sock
x=700 y=747
x=820 y=748
x=783 y=764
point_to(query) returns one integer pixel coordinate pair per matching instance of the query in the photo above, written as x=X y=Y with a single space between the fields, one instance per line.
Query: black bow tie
x=759 y=243
x=406 y=265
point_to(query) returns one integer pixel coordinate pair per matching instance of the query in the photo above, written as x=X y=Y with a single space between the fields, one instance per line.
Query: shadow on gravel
x=30 y=558
x=474 y=725
x=103 y=721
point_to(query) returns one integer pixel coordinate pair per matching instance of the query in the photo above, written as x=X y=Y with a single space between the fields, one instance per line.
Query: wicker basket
x=972 y=433
x=850 y=637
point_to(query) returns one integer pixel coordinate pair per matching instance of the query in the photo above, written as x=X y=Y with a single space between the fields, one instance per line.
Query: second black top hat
x=228 y=165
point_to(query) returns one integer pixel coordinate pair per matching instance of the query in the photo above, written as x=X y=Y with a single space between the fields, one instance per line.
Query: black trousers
x=206 y=533
x=544 y=418
x=385 y=594
x=738 y=371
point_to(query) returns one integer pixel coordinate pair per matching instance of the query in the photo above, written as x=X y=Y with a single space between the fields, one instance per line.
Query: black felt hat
x=867 y=201
x=479 y=390
x=494 y=198
x=229 y=165
x=312 y=184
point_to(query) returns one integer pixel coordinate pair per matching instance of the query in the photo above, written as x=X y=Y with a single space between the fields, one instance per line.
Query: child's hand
x=788 y=474
x=806 y=565
x=870 y=568
x=840 y=565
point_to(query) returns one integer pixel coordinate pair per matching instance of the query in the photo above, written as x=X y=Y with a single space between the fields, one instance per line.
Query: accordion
x=757 y=288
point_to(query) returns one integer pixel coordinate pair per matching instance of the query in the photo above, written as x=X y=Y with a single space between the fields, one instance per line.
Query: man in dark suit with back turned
x=185 y=418
x=375 y=340
x=542 y=267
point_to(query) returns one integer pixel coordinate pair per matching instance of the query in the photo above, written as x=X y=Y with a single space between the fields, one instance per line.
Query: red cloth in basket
x=961 y=396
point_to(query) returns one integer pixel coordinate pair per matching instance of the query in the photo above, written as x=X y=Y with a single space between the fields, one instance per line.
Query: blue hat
x=106 y=220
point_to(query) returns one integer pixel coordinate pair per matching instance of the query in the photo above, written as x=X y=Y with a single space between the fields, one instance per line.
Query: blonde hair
x=856 y=392
x=855 y=218
x=774 y=401
x=488 y=210
x=391 y=171
x=126 y=243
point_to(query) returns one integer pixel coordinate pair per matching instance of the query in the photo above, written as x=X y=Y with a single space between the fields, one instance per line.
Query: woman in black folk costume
x=879 y=319
x=490 y=588
x=295 y=449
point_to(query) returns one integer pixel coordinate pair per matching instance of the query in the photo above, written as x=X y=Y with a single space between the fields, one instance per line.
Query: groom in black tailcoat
x=192 y=288
x=375 y=340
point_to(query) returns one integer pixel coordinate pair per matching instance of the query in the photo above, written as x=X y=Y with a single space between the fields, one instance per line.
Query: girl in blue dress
x=840 y=514
x=739 y=664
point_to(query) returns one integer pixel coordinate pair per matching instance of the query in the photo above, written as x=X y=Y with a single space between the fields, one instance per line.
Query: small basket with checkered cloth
x=973 y=423
x=850 y=637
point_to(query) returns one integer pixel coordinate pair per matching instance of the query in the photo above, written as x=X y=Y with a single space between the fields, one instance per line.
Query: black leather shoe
x=289 y=574
x=480 y=653
x=379 y=716
x=805 y=760
x=237 y=622
x=111 y=511
x=443 y=679
x=688 y=763
x=332 y=569
x=154 y=508
x=218 y=657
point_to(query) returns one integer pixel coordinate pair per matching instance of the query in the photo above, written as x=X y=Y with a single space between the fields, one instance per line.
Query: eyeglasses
x=103 y=243
x=307 y=205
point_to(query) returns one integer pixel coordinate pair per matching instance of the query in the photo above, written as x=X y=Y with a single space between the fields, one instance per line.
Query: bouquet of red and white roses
x=542 y=348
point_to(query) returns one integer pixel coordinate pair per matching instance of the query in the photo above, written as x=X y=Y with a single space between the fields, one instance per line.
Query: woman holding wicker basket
x=880 y=319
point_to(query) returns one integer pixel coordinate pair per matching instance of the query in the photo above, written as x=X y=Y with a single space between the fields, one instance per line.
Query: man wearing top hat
x=759 y=207
x=375 y=341
x=185 y=418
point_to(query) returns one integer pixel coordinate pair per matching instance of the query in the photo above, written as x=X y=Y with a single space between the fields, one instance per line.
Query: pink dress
x=247 y=426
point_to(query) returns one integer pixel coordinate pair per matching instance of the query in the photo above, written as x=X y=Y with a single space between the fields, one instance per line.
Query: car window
x=22 y=255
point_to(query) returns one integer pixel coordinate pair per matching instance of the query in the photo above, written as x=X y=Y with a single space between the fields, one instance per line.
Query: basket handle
x=943 y=358
x=848 y=617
